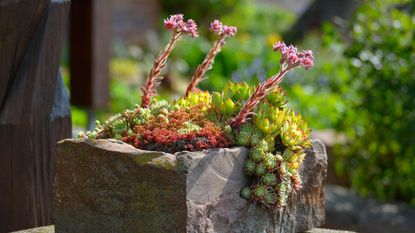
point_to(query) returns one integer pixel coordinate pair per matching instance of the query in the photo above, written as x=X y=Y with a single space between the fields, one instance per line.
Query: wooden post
x=90 y=38
x=34 y=108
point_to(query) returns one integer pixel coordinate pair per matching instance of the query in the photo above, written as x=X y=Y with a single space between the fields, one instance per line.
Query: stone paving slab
x=321 y=230
x=45 y=229
x=51 y=229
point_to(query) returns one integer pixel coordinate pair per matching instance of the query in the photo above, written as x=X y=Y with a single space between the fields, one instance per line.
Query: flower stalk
x=222 y=31
x=290 y=58
x=179 y=28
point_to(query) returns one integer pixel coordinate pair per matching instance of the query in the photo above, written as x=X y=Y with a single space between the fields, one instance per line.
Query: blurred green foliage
x=379 y=94
x=202 y=11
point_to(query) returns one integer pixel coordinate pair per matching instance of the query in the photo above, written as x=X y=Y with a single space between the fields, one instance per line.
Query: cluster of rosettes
x=169 y=127
x=222 y=30
x=277 y=138
x=176 y=23
x=292 y=57
x=231 y=99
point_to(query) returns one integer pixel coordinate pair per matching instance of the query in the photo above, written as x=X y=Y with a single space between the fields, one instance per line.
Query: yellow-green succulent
x=201 y=98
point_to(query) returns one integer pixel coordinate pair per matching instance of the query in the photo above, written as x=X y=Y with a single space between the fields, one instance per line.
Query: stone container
x=109 y=186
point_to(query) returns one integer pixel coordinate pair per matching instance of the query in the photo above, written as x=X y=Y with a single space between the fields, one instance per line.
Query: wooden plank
x=34 y=111
x=90 y=52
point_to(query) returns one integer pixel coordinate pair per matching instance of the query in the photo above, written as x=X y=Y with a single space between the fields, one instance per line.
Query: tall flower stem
x=206 y=65
x=259 y=94
x=154 y=78
x=222 y=31
x=290 y=58
x=179 y=28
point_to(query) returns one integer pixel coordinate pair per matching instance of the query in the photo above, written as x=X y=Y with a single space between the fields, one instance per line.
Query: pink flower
x=306 y=59
x=229 y=30
x=216 y=27
x=307 y=63
x=181 y=26
x=291 y=56
x=177 y=17
x=176 y=23
x=191 y=28
x=277 y=46
x=170 y=24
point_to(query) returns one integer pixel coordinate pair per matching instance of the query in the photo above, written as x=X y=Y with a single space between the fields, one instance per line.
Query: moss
x=157 y=159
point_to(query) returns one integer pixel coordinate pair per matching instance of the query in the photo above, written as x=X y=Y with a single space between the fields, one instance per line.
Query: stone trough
x=109 y=186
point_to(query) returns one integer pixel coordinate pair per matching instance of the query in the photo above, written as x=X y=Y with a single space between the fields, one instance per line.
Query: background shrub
x=379 y=121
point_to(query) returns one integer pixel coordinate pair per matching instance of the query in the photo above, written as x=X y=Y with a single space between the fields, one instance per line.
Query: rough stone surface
x=109 y=186
x=347 y=210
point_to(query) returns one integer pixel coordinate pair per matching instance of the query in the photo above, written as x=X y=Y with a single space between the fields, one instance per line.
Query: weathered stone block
x=109 y=186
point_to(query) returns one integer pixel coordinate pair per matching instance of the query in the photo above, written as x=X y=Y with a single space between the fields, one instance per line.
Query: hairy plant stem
x=154 y=78
x=206 y=65
x=259 y=94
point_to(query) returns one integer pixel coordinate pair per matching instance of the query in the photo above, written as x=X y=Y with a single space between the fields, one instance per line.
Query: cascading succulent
x=256 y=117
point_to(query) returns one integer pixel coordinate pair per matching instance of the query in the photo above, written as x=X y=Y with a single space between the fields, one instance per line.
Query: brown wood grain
x=34 y=108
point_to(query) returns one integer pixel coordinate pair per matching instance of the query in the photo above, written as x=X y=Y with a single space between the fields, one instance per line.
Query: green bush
x=379 y=122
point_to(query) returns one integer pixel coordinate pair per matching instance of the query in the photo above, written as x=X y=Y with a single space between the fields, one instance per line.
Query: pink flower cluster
x=217 y=27
x=292 y=57
x=177 y=23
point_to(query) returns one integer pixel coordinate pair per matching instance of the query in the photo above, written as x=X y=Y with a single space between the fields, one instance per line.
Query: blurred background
x=359 y=98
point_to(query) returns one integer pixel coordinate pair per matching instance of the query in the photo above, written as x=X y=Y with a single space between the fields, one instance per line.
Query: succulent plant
x=283 y=190
x=295 y=133
x=249 y=135
x=188 y=127
x=250 y=167
x=269 y=119
x=270 y=198
x=202 y=98
x=255 y=117
x=270 y=162
x=231 y=100
x=260 y=192
x=293 y=159
x=277 y=98
x=260 y=169
x=257 y=154
x=269 y=179
x=246 y=192
x=296 y=181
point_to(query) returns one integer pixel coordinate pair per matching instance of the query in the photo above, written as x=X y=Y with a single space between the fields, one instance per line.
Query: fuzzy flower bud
x=191 y=28
x=170 y=24
x=229 y=30
x=216 y=27
x=292 y=57
x=307 y=59
x=173 y=22
x=277 y=46
x=177 y=23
